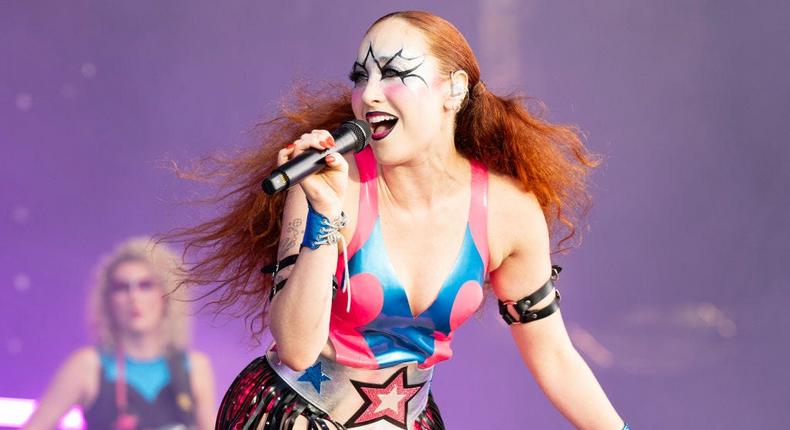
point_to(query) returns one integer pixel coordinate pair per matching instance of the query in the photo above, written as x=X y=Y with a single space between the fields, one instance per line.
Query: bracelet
x=319 y=230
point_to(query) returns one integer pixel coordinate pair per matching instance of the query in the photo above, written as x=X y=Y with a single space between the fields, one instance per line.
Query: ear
x=459 y=88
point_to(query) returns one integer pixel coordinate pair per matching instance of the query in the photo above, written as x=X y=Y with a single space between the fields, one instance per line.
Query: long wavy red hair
x=228 y=250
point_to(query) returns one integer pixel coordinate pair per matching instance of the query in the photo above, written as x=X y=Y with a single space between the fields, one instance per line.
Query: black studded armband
x=290 y=260
x=518 y=312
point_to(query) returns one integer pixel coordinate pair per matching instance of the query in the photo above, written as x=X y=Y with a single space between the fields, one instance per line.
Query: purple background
x=677 y=298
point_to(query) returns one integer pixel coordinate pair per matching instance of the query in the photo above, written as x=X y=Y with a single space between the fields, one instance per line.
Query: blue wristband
x=319 y=230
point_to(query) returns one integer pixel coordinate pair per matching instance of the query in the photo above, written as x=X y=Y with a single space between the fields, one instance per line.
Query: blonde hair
x=164 y=263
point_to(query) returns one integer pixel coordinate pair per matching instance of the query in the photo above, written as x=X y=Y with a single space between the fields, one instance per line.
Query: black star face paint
x=400 y=90
x=396 y=66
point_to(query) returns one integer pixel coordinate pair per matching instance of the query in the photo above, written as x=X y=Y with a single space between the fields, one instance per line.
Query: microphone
x=351 y=135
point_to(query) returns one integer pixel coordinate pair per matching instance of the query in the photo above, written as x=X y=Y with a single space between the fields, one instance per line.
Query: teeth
x=380 y=118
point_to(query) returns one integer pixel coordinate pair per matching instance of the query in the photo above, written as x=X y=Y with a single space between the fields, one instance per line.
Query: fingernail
x=290 y=146
x=330 y=158
x=330 y=142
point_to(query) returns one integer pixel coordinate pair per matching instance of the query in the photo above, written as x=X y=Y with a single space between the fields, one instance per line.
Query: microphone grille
x=361 y=130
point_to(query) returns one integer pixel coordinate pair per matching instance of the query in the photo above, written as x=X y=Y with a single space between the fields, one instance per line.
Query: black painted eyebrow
x=402 y=75
x=377 y=61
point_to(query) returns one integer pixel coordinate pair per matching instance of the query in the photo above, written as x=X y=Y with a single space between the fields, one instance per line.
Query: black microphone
x=351 y=135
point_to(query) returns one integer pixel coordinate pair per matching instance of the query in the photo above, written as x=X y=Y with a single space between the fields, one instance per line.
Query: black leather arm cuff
x=521 y=307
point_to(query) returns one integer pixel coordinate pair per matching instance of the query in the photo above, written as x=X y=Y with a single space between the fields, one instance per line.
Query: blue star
x=314 y=376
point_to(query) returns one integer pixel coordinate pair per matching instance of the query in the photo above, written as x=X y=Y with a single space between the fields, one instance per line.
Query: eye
x=117 y=287
x=146 y=284
x=389 y=72
x=357 y=76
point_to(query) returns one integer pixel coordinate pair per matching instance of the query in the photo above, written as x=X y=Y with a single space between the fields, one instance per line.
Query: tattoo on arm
x=294 y=232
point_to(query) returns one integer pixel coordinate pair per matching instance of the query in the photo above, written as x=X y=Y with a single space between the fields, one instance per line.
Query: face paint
x=398 y=89
x=395 y=67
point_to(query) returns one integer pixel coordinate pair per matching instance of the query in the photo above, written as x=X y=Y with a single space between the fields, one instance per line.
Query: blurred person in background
x=373 y=263
x=140 y=374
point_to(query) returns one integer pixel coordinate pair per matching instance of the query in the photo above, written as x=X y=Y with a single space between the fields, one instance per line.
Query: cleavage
x=430 y=248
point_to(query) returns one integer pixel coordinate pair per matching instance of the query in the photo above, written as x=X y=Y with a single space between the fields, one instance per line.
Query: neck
x=142 y=346
x=420 y=183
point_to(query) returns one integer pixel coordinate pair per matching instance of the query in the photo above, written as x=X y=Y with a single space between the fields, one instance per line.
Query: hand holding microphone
x=318 y=151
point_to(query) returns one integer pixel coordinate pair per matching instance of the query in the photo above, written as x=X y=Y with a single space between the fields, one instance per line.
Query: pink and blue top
x=380 y=330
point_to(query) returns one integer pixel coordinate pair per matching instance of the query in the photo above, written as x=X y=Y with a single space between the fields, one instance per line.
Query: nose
x=371 y=93
x=136 y=293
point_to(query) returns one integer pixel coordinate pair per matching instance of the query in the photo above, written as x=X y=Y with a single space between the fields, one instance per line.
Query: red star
x=388 y=401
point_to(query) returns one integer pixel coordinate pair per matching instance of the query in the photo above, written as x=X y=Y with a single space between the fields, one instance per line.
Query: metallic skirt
x=268 y=395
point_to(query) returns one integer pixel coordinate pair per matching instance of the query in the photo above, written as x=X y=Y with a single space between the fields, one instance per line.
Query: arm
x=300 y=311
x=544 y=344
x=71 y=386
x=201 y=378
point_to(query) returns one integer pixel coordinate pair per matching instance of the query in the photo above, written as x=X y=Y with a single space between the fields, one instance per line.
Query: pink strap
x=120 y=382
x=478 y=209
x=368 y=199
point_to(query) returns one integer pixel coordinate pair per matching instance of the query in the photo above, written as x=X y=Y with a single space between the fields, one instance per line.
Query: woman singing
x=379 y=258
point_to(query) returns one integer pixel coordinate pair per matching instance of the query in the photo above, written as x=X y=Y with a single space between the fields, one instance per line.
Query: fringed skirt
x=268 y=395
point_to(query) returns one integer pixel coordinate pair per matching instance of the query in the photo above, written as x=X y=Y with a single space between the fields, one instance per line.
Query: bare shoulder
x=199 y=361
x=509 y=198
x=516 y=220
x=85 y=359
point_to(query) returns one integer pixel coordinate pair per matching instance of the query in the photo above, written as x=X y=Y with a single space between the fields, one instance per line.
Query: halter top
x=380 y=331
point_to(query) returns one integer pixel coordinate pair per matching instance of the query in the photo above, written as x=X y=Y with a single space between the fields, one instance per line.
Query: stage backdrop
x=677 y=298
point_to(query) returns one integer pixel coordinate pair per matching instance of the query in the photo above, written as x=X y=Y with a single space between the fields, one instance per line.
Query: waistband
x=360 y=397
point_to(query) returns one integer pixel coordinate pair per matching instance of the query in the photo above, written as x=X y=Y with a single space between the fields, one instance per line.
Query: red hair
x=547 y=159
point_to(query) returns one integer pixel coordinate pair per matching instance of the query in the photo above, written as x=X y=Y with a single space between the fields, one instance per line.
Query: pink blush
x=356 y=97
x=401 y=92
x=394 y=92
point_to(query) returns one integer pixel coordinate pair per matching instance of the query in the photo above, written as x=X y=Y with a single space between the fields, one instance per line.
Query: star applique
x=314 y=376
x=388 y=401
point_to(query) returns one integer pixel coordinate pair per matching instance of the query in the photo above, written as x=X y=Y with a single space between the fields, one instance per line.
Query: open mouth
x=381 y=123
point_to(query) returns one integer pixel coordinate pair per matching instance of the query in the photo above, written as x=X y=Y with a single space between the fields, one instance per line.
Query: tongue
x=380 y=128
